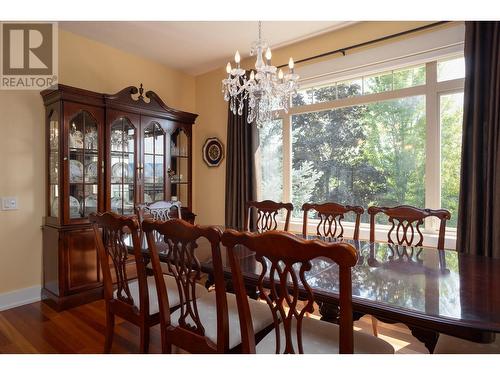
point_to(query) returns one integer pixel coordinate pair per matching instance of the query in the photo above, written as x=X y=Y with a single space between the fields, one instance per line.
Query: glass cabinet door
x=178 y=171
x=153 y=168
x=123 y=165
x=83 y=165
x=54 y=165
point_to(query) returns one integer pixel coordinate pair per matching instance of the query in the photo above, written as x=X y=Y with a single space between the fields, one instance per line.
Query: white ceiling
x=196 y=47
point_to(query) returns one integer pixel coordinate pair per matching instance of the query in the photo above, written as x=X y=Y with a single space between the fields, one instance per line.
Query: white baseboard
x=19 y=297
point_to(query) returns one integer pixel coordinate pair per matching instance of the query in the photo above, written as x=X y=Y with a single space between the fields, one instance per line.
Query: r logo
x=27 y=49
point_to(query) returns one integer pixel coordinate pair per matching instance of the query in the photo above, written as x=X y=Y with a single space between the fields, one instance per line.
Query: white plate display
x=74 y=207
x=54 y=207
x=75 y=171
x=91 y=203
x=91 y=172
x=116 y=172
x=116 y=204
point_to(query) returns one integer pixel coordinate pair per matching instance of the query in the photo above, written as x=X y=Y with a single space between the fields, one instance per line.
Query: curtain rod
x=343 y=50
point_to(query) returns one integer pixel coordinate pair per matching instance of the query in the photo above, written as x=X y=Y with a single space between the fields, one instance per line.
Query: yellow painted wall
x=209 y=193
x=21 y=174
x=95 y=66
x=83 y=63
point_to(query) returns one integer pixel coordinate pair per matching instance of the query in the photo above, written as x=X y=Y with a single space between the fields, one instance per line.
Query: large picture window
x=270 y=169
x=383 y=139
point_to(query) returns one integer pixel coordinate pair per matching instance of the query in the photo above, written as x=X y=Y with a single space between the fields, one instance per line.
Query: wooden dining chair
x=203 y=324
x=159 y=210
x=134 y=296
x=285 y=261
x=267 y=213
x=406 y=222
x=405 y=230
x=330 y=217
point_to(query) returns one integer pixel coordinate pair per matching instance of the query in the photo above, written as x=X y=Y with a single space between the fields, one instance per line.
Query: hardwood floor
x=36 y=328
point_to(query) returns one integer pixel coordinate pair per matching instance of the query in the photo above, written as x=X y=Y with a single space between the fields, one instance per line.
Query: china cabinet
x=105 y=153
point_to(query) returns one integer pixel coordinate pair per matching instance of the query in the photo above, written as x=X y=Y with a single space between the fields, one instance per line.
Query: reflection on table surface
x=435 y=283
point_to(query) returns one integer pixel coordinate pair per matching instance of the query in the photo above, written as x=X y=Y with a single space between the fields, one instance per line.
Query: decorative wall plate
x=213 y=152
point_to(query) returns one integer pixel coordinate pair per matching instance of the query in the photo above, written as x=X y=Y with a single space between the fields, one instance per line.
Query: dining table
x=431 y=291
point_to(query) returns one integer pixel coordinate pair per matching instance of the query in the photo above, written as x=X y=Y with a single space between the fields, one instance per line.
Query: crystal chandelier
x=267 y=89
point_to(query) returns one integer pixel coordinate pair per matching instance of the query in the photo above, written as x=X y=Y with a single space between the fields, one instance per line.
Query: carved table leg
x=210 y=281
x=252 y=291
x=357 y=315
x=329 y=312
x=229 y=286
x=428 y=337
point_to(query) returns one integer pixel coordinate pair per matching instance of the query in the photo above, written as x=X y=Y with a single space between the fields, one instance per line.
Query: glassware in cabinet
x=83 y=165
x=123 y=166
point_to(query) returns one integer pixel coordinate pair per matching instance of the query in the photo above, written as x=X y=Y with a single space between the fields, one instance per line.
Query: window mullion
x=287 y=159
x=432 y=143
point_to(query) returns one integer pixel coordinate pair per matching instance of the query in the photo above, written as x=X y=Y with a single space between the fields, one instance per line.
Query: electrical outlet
x=9 y=203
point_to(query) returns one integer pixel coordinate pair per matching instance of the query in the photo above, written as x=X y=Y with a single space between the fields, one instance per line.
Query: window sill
x=430 y=236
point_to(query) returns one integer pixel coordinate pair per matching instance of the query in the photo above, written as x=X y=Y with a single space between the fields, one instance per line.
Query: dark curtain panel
x=478 y=230
x=240 y=167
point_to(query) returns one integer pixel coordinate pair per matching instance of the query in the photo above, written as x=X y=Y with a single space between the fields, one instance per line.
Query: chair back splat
x=162 y=210
x=267 y=215
x=180 y=242
x=330 y=219
x=406 y=222
x=285 y=260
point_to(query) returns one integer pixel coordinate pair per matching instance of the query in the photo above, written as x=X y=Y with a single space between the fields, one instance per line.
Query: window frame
x=432 y=90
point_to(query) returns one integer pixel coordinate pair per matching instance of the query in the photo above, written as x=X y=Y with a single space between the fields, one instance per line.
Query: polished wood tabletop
x=430 y=290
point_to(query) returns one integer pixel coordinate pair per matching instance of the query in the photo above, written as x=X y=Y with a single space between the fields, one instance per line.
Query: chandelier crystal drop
x=267 y=88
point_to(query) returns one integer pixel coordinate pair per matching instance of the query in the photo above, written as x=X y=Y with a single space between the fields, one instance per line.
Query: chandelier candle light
x=267 y=89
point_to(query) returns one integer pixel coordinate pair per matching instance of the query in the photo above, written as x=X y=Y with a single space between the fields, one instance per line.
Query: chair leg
x=144 y=339
x=110 y=330
x=166 y=347
x=375 y=326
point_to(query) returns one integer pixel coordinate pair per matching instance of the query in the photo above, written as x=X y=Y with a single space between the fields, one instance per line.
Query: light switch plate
x=9 y=203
